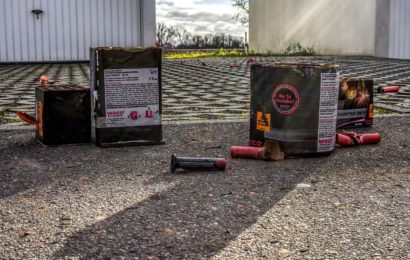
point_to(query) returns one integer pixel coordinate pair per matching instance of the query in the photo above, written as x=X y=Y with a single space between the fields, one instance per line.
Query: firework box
x=294 y=104
x=355 y=105
x=126 y=96
x=63 y=115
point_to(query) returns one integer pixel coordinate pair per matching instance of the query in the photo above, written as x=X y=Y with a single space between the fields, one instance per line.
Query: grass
x=383 y=111
x=8 y=120
x=2 y=113
x=296 y=49
x=203 y=54
x=292 y=50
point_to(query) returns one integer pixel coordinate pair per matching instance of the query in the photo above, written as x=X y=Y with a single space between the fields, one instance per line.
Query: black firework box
x=126 y=101
x=63 y=114
x=355 y=105
x=294 y=104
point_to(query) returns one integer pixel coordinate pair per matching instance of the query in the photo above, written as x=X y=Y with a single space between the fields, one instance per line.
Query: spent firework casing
x=63 y=114
x=126 y=96
x=355 y=104
x=296 y=105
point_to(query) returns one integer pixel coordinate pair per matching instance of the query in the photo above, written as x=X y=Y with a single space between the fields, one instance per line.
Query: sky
x=200 y=16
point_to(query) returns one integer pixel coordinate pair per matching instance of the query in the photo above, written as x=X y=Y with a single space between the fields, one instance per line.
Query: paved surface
x=211 y=88
x=83 y=202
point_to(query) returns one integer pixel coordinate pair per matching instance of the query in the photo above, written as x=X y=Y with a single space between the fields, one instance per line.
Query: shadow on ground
x=194 y=219
x=195 y=216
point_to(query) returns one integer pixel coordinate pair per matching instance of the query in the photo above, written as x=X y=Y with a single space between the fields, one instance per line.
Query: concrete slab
x=87 y=202
x=203 y=89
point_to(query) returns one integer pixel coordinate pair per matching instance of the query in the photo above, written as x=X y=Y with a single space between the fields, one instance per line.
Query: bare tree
x=171 y=37
x=182 y=36
x=242 y=14
x=161 y=32
x=165 y=34
x=170 y=34
x=197 y=41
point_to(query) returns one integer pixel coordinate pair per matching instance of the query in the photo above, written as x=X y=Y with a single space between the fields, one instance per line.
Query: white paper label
x=329 y=91
x=351 y=113
x=131 y=98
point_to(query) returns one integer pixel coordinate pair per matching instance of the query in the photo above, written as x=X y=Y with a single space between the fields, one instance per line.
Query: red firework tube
x=352 y=138
x=43 y=81
x=246 y=152
x=344 y=140
x=190 y=163
x=388 y=89
x=372 y=138
x=26 y=118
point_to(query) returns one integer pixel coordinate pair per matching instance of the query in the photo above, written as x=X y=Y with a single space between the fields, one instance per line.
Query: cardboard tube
x=372 y=138
x=197 y=163
x=388 y=89
x=247 y=152
x=26 y=118
x=344 y=140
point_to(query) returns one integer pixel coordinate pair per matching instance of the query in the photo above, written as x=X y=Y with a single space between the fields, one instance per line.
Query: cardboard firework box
x=294 y=104
x=63 y=114
x=126 y=103
x=355 y=105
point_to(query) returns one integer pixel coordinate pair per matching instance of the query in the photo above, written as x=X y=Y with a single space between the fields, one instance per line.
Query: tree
x=171 y=37
x=183 y=38
x=242 y=14
x=161 y=32
x=165 y=34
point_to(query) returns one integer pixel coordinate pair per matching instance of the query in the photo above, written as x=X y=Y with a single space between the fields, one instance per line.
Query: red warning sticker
x=285 y=99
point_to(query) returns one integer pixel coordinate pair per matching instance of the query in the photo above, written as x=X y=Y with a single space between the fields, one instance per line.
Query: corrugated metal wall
x=66 y=29
x=399 y=38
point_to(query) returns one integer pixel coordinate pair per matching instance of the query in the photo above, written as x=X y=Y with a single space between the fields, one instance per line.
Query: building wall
x=399 y=29
x=67 y=28
x=329 y=26
x=332 y=27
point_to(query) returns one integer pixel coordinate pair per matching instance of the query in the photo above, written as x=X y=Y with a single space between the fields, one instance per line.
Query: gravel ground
x=87 y=202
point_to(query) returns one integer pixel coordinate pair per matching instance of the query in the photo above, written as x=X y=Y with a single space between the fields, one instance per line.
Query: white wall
x=343 y=27
x=148 y=22
x=399 y=29
x=67 y=28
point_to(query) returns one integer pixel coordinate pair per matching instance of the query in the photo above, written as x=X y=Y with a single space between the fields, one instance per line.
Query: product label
x=262 y=121
x=329 y=90
x=352 y=113
x=131 y=98
x=285 y=99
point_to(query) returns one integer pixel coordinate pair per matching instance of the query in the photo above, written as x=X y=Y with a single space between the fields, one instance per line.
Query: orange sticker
x=39 y=126
x=371 y=111
x=262 y=121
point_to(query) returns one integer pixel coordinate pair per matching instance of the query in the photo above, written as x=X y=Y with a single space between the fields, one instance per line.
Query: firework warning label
x=263 y=121
x=328 y=111
x=131 y=97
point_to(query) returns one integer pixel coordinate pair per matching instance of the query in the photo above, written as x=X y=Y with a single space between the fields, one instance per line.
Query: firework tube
x=388 y=89
x=247 y=152
x=372 y=138
x=43 y=81
x=26 y=118
x=344 y=140
x=358 y=139
x=198 y=163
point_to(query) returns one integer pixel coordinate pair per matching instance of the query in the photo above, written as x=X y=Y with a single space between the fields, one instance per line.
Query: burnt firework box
x=63 y=114
x=126 y=94
x=355 y=105
x=294 y=104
